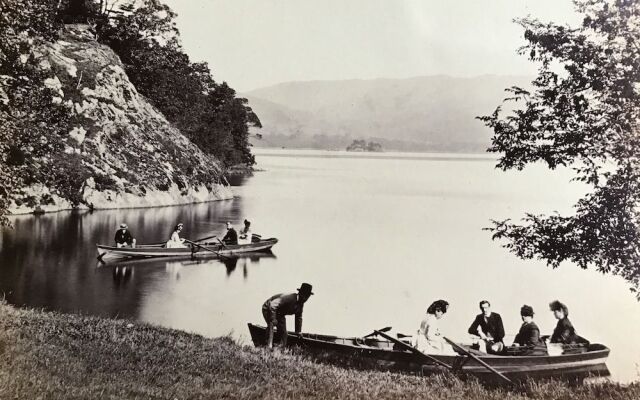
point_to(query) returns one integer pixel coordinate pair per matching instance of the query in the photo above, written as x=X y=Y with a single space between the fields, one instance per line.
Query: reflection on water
x=379 y=238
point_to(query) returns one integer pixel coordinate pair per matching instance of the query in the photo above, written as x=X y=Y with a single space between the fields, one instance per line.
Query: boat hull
x=381 y=354
x=157 y=250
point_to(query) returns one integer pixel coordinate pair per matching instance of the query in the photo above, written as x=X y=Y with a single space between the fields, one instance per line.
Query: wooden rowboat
x=376 y=353
x=191 y=250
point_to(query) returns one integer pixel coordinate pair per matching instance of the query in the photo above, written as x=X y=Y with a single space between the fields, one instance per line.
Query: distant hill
x=432 y=113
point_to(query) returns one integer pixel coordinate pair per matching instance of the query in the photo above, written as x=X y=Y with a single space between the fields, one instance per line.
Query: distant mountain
x=435 y=113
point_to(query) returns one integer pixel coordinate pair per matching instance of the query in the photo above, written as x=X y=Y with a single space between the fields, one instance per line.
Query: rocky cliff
x=122 y=149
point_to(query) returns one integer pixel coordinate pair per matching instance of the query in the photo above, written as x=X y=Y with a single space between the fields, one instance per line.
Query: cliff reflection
x=49 y=261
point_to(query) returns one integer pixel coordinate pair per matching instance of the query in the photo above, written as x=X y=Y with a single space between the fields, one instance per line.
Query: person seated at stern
x=123 y=237
x=245 y=233
x=232 y=236
x=277 y=307
x=564 y=332
x=488 y=328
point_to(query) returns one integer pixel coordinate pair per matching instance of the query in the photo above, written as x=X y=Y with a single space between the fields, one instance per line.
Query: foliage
x=147 y=41
x=582 y=113
x=30 y=123
x=363 y=145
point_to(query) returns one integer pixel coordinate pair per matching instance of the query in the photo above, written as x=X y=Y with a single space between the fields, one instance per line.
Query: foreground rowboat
x=209 y=249
x=382 y=354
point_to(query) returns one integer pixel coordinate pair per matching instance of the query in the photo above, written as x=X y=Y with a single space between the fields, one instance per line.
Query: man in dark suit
x=488 y=326
x=123 y=237
x=232 y=236
x=277 y=307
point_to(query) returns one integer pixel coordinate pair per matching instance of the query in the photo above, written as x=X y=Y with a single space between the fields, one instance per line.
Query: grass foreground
x=57 y=356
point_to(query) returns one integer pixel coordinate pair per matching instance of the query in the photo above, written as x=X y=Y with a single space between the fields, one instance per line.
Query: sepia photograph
x=320 y=199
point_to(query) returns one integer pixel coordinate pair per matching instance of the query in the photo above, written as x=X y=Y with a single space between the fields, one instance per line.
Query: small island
x=363 y=145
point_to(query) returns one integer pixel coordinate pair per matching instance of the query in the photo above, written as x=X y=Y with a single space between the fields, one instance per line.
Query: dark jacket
x=529 y=335
x=492 y=326
x=231 y=237
x=564 y=332
x=276 y=308
x=123 y=236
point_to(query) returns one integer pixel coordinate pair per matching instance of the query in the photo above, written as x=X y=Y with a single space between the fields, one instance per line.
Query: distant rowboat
x=376 y=353
x=201 y=249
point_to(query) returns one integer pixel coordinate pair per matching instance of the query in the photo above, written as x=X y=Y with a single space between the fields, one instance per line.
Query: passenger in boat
x=232 y=236
x=529 y=334
x=123 y=237
x=430 y=340
x=245 y=233
x=175 y=241
x=564 y=332
x=489 y=330
x=277 y=307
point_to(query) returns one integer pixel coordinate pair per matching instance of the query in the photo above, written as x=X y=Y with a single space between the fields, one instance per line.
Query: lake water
x=380 y=236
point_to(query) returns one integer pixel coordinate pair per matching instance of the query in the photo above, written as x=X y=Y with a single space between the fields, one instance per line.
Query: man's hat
x=305 y=288
x=123 y=226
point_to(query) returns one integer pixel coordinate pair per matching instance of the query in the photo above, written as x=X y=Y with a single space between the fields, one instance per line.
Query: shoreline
x=53 y=355
x=221 y=192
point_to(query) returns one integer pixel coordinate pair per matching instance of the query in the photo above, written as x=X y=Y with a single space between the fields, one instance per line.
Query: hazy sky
x=256 y=43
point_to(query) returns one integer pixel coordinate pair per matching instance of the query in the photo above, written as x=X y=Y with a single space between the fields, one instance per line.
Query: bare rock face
x=131 y=154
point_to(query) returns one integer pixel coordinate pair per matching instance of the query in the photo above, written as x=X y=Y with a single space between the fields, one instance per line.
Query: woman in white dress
x=175 y=241
x=430 y=340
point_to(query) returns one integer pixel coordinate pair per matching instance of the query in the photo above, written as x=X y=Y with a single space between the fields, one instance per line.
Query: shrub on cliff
x=208 y=113
x=30 y=121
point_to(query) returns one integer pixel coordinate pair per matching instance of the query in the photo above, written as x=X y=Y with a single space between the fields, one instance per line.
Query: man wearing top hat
x=277 y=307
x=123 y=237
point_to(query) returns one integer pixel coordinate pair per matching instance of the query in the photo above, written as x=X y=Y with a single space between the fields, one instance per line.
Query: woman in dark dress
x=529 y=334
x=564 y=332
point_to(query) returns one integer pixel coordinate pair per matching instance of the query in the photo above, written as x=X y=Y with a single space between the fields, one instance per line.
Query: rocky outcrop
x=128 y=154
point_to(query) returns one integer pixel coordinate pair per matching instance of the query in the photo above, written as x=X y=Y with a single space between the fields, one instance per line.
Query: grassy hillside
x=55 y=356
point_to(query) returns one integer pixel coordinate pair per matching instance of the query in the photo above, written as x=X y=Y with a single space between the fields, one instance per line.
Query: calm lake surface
x=380 y=236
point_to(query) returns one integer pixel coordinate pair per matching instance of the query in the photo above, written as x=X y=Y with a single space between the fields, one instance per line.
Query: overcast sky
x=256 y=43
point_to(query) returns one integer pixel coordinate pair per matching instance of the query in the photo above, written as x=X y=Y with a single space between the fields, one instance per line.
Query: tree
x=146 y=39
x=583 y=113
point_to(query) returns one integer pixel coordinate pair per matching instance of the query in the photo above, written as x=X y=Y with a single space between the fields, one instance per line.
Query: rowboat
x=377 y=353
x=190 y=250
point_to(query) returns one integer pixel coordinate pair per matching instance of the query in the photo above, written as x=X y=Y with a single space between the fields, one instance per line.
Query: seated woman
x=527 y=341
x=245 y=233
x=564 y=332
x=175 y=241
x=430 y=339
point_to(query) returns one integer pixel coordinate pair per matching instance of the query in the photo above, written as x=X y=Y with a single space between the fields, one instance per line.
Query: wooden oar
x=484 y=364
x=386 y=329
x=206 y=248
x=413 y=350
x=222 y=243
x=205 y=238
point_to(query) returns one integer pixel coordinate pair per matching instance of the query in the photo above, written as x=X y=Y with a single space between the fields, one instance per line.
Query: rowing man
x=277 y=307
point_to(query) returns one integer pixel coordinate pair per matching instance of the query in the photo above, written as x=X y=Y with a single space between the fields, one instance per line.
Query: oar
x=413 y=350
x=206 y=248
x=205 y=238
x=222 y=243
x=484 y=364
x=374 y=333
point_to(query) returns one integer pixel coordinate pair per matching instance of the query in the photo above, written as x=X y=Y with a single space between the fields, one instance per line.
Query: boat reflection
x=123 y=270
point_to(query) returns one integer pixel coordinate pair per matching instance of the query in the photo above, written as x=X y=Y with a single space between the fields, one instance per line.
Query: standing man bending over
x=276 y=308
x=488 y=326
